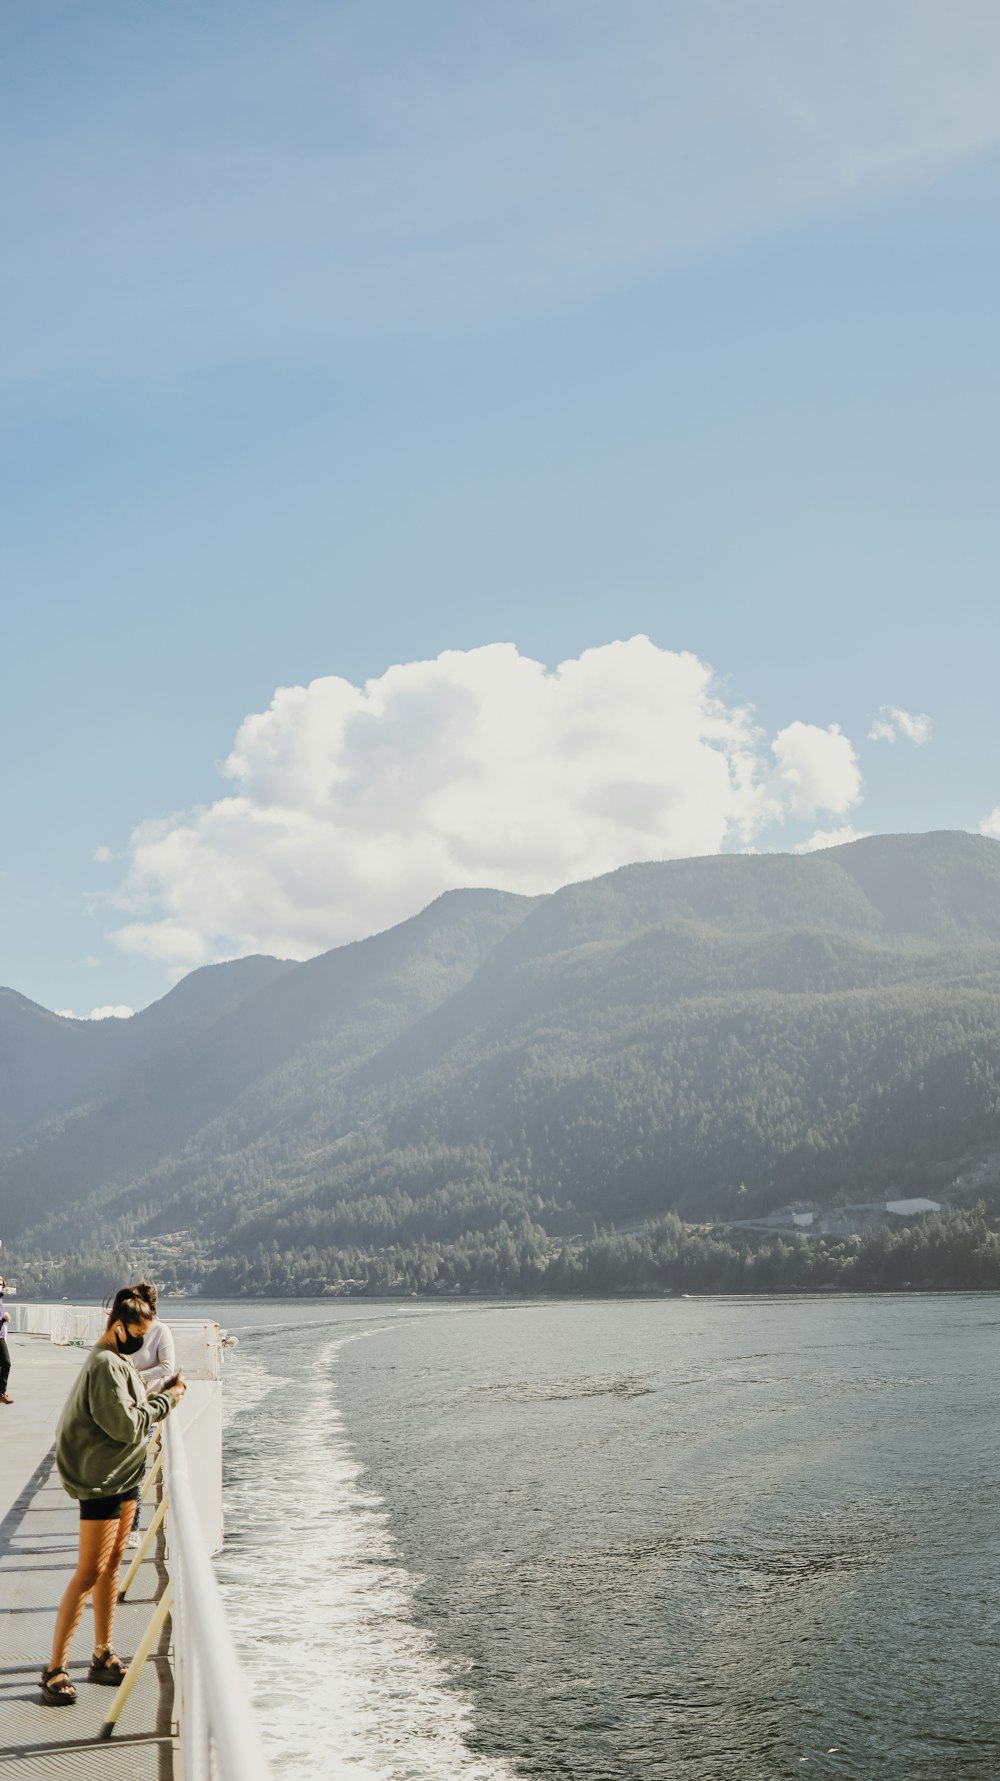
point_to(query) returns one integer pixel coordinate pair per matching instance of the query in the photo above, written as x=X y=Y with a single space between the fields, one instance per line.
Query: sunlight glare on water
x=620 y=1541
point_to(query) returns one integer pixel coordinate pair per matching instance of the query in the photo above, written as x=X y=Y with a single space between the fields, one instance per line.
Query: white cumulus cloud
x=352 y=807
x=990 y=825
x=892 y=722
x=817 y=770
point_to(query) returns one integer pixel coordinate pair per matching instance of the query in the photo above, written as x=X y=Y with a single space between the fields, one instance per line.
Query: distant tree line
x=954 y=1251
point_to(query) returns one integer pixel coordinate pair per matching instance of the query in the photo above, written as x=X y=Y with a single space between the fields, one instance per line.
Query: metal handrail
x=216 y=1716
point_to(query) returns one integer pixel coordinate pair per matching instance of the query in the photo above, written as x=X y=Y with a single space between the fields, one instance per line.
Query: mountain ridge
x=651 y=1040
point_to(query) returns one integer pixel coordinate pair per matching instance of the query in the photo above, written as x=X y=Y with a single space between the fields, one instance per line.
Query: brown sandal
x=107 y=1667
x=57 y=1689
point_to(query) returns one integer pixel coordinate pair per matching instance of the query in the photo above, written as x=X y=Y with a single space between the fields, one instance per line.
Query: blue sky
x=336 y=337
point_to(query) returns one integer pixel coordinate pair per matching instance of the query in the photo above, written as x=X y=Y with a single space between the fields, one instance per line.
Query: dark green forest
x=482 y=1097
x=958 y=1251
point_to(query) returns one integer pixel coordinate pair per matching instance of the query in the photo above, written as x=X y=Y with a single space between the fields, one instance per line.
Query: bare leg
x=106 y=1587
x=97 y=1540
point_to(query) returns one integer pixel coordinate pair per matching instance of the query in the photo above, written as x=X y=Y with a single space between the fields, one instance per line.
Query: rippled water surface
x=701 y=1538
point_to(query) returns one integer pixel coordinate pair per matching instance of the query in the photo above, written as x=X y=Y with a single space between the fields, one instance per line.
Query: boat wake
x=345 y=1681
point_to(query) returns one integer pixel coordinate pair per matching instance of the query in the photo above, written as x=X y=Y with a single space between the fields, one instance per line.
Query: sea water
x=708 y=1538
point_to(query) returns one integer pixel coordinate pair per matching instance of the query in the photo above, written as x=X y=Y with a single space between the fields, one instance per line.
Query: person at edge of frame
x=101 y=1457
x=4 y=1350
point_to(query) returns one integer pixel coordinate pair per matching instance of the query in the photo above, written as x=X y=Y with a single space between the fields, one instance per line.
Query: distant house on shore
x=833 y=1221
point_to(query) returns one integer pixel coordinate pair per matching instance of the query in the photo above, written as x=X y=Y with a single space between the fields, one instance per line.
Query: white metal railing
x=65 y=1324
x=213 y=1704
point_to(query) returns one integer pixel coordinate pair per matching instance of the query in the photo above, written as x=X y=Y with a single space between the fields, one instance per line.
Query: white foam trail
x=345 y=1682
x=247 y=1383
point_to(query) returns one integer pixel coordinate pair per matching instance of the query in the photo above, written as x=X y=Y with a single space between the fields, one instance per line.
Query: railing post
x=131 y=1675
x=145 y=1543
x=151 y=1475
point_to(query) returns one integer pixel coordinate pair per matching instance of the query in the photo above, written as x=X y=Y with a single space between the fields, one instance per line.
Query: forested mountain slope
x=305 y=1025
x=825 y=1027
x=49 y=1062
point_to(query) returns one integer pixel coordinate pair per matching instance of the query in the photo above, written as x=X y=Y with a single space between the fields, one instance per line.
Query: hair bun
x=132 y=1305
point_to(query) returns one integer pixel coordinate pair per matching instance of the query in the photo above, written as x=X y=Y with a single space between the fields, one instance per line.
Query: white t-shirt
x=155 y=1359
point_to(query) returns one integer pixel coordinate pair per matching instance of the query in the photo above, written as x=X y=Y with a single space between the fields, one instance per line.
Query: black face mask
x=131 y=1344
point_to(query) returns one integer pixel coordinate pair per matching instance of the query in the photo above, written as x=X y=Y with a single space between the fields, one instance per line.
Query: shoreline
x=583 y=1298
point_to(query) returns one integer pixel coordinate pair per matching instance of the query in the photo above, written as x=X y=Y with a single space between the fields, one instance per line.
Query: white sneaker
x=133 y=1543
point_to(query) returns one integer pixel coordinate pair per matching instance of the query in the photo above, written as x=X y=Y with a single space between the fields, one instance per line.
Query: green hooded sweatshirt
x=101 y=1439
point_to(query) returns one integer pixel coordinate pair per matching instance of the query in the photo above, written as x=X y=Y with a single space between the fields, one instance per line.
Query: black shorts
x=106 y=1508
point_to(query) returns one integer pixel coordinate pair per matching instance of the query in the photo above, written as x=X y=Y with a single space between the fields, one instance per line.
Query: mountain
x=49 y=1062
x=696 y=1034
x=203 y=1074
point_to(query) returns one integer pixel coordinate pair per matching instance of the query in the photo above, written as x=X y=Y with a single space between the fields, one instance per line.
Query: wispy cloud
x=302 y=174
x=831 y=838
x=112 y=1011
x=892 y=722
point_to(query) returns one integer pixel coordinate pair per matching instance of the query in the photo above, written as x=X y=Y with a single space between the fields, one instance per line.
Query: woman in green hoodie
x=101 y=1456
